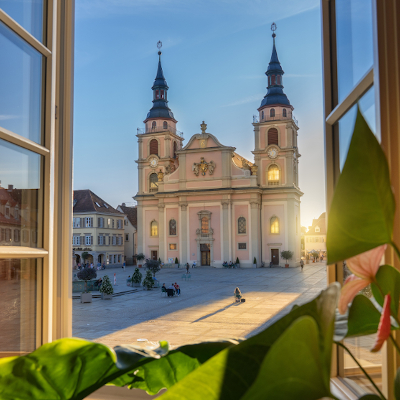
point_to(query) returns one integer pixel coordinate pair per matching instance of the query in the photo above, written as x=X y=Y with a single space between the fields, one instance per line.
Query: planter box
x=86 y=297
x=176 y=265
x=137 y=284
x=254 y=265
x=286 y=265
x=106 y=296
x=139 y=265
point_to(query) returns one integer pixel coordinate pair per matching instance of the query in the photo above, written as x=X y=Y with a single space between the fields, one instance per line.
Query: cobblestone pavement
x=205 y=310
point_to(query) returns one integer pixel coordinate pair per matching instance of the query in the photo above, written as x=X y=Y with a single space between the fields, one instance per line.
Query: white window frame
x=88 y=240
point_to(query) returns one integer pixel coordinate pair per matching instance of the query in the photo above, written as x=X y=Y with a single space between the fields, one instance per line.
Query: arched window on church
x=154 y=228
x=272 y=112
x=161 y=94
x=157 y=95
x=154 y=147
x=262 y=115
x=205 y=226
x=175 y=148
x=241 y=225
x=165 y=125
x=284 y=112
x=278 y=79
x=153 y=124
x=172 y=227
x=153 y=182
x=273 y=79
x=274 y=225
x=273 y=175
x=273 y=136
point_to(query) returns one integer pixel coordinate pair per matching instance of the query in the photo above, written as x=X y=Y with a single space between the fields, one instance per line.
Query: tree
x=176 y=260
x=148 y=281
x=255 y=261
x=86 y=274
x=85 y=256
x=137 y=276
x=237 y=260
x=315 y=254
x=153 y=266
x=106 y=286
x=287 y=255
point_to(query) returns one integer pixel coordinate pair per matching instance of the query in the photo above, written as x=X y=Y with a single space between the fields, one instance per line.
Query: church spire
x=160 y=88
x=275 y=95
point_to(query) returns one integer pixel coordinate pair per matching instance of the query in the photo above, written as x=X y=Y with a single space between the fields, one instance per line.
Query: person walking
x=187 y=267
x=301 y=264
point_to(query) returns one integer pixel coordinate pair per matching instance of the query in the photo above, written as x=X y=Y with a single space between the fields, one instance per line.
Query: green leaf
x=153 y=375
x=397 y=385
x=388 y=279
x=292 y=366
x=362 y=319
x=67 y=369
x=231 y=373
x=363 y=205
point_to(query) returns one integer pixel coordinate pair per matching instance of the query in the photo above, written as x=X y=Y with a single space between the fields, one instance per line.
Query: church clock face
x=272 y=153
x=153 y=162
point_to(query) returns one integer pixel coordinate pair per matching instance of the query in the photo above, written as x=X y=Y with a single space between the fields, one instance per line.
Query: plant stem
x=395 y=343
x=362 y=369
x=395 y=249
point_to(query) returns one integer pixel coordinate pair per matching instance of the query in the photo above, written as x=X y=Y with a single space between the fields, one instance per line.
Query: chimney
x=123 y=204
x=10 y=188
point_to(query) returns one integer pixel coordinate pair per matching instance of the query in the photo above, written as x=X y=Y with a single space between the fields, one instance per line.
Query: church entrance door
x=154 y=254
x=275 y=256
x=205 y=254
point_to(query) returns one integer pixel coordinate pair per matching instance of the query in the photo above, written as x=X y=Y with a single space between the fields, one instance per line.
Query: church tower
x=276 y=154
x=158 y=144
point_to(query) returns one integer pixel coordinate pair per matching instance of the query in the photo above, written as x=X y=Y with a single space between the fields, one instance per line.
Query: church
x=203 y=202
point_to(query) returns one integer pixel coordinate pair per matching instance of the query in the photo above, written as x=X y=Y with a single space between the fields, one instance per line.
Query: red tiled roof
x=87 y=201
x=131 y=213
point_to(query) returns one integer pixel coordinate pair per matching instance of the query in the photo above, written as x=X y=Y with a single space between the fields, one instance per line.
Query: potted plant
x=140 y=257
x=136 y=277
x=176 y=262
x=255 y=263
x=287 y=255
x=237 y=262
x=153 y=266
x=85 y=256
x=86 y=274
x=106 y=288
x=315 y=254
x=148 y=281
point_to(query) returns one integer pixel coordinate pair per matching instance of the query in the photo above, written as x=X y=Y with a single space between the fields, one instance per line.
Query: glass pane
x=354 y=42
x=21 y=73
x=28 y=13
x=346 y=123
x=20 y=196
x=19 y=305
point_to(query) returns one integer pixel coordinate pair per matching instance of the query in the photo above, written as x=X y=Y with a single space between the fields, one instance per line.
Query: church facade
x=204 y=202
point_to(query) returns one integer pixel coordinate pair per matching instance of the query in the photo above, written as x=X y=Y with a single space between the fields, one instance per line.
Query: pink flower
x=364 y=267
x=384 y=325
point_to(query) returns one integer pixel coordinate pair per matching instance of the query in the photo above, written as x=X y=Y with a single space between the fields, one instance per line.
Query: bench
x=186 y=276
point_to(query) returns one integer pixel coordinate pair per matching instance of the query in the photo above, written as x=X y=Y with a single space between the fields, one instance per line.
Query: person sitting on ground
x=238 y=294
x=177 y=289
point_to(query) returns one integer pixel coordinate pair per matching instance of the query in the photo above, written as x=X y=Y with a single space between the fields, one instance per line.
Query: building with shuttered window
x=98 y=229
x=204 y=202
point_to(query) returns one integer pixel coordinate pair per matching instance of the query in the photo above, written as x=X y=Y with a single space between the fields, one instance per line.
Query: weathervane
x=159 y=45
x=273 y=29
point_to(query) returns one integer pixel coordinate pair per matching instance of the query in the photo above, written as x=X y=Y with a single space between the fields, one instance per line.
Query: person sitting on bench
x=238 y=295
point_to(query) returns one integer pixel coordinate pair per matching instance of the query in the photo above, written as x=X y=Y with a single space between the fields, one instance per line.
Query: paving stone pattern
x=205 y=310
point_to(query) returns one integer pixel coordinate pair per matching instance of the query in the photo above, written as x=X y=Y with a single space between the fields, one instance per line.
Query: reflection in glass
x=20 y=86
x=346 y=123
x=20 y=196
x=19 y=305
x=354 y=42
x=28 y=13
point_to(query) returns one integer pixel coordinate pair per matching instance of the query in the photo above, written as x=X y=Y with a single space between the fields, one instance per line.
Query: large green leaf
x=232 y=372
x=153 y=375
x=292 y=366
x=363 y=205
x=67 y=369
x=388 y=279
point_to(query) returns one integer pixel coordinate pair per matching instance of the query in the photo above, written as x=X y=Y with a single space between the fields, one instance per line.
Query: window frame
x=151 y=228
x=245 y=226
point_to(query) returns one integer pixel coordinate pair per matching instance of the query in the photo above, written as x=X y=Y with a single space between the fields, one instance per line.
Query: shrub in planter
x=255 y=263
x=87 y=274
x=148 y=281
x=140 y=257
x=153 y=266
x=287 y=255
x=237 y=261
x=106 y=288
x=137 y=277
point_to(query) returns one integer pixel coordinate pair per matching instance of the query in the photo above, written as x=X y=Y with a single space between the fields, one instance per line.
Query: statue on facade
x=254 y=169
x=160 y=176
x=203 y=166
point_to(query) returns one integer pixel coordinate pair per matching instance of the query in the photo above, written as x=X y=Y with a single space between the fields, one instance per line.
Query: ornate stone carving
x=183 y=206
x=169 y=169
x=203 y=127
x=225 y=204
x=254 y=169
x=160 y=176
x=203 y=166
x=245 y=165
x=254 y=204
x=161 y=205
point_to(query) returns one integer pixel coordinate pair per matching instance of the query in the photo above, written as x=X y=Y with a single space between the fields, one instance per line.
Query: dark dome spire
x=160 y=107
x=274 y=73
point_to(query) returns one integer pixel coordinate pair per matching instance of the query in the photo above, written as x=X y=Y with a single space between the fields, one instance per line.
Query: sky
x=214 y=57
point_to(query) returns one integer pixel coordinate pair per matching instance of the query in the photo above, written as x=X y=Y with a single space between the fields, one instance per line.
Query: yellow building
x=315 y=237
x=98 y=229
